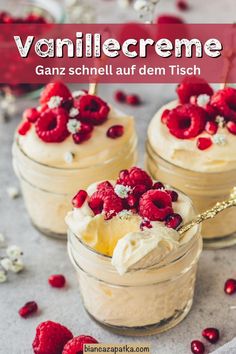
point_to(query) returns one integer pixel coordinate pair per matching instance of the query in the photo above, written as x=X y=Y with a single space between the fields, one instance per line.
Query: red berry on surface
x=231 y=126
x=133 y=177
x=93 y=109
x=165 y=116
x=186 y=121
x=79 y=199
x=133 y=100
x=155 y=205
x=224 y=101
x=169 y=19
x=24 y=128
x=116 y=131
x=211 y=334
x=173 y=194
x=76 y=345
x=230 y=286
x=57 y=280
x=211 y=127
x=51 y=126
x=204 y=143
x=182 y=5
x=145 y=224
x=192 y=86
x=197 y=347
x=158 y=185
x=105 y=201
x=50 y=338
x=120 y=96
x=173 y=220
x=31 y=114
x=29 y=308
x=55 y=89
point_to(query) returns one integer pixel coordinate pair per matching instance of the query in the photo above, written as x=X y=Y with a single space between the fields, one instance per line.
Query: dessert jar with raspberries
x=128 y=255
x=68 y=142
x=192 y=145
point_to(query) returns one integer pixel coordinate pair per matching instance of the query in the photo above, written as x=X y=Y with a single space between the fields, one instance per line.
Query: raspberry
x=165 y=116
x=50 y=338
x=57 y=280
x=186 y=121
x=155 y=205
x=84 y=133
x=224 y=101
x=105 y=200
x=29 y=308
x=55 y=89
x=211 y=127
x=75 y=345
x=92 y=109
x=193 y=86
x=158 y=185
x=133 y=177
x=24 y=128
x=133 y=100
x=31 y=114
x=51 y=126
x=204 y=143
x=116 y=131
x=173 y=220
x=231 y=126
x=120 y=96
x=79 y=199
x=105 y=185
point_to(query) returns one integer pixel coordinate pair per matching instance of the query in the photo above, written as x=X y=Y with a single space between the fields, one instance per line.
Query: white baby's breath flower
x=17 y=266
x=221 y=121
x=140 y=5
x=14 y=252
x=6 y=263
x=202 y=100
x=69 y=157
x=78 y=93
x=13 y=192
x=122 y=191
x=219 y=139
x=54 y=102
x=3 y=276
x=73 y=112
x=125 y=214
x=73 y=126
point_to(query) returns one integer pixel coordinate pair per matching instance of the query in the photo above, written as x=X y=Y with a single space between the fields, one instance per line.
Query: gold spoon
x=211 y=213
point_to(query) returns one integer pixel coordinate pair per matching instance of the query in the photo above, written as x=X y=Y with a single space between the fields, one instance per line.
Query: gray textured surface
x=44 y=256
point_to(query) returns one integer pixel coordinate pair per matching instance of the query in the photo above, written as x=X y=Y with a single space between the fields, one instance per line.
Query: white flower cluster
x=122 y=191
x=54 y=102
x=73 y=126
x=11 y=262
x=145 y=8
x=219 y=139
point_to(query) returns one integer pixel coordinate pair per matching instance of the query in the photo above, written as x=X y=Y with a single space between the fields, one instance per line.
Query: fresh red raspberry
x=105 y=201
x=92 y=109
x=165 y=116
x=155 y=205
x=231 y=126
x=24 y=127
x=120 y=96
x=76 y=345
x=186 y=121
x=84 y=133
x=50 y=338
x=31 y=114
x=204 y=143
x=29 y=308
x=133 y=177
x=55 y=89
x=57 y=280
x=224 y=101
x=168 y=19
x=105 y=185
x=173 y=220
x=133 y=100
x=51 y=126
x=116 y=131
x=211 y=127
x=193 y=86
x=79 y=199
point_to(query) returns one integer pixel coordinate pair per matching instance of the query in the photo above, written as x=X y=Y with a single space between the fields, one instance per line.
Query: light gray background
x=44 y=256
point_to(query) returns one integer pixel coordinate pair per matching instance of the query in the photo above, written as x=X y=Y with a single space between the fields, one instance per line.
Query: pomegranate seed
x=120 y=96
x=197 y=347
x=145 y=224
x=182 y=5
x=29 y=308
x=211 y=127
x=174 y=195
x=79 y=199
x=131 y=200
x=24 y=128
x=173 y=220
x=158 y=185
x=231 y=126
x=133 y=100
x=211 y=334
x=230 y=286
x=165 y=116
x=57 y=280
x=204 y=143
x=115 y=131
x=31 y=114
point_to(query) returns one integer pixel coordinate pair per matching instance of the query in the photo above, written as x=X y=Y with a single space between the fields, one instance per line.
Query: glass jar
x=205 y=189
x=48 y=191
x=142 y=301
